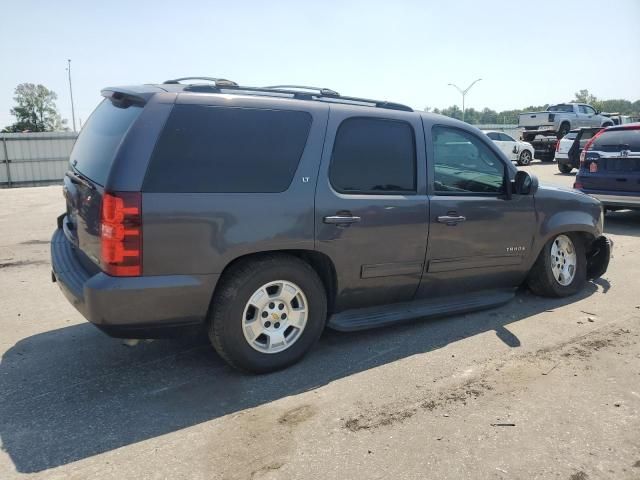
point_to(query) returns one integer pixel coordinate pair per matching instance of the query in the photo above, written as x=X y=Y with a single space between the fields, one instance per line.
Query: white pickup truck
x=559 y=119
x=544 y=129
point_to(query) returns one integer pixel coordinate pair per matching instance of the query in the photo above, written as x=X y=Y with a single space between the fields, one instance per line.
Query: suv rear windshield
x=561 y=108
x=207 y=149
x=571 y=135
x=617 y=140
x=97 y=145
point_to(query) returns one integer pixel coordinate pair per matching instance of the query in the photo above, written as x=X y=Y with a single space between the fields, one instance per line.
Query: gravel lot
x=536 y=389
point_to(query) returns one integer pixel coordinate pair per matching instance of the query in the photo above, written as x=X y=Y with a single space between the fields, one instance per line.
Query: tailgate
x=91 y=160
x=614 y=173
x=533 y=119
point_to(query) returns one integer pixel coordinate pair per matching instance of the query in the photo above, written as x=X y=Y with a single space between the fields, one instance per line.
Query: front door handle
x=451 y=219
x=345 y=220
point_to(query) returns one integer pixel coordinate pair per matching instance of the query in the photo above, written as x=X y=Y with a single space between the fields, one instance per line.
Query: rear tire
x=551 y=276
x=564 y=168
x=237 y=314
x=525 y=158
x=564 y=129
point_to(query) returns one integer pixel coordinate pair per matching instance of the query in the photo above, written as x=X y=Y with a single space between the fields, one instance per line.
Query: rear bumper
x=615 y=199
x=131 y=307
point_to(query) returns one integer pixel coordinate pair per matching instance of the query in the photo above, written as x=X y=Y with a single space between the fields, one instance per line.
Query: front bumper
x=131 y=307
x=598 y=257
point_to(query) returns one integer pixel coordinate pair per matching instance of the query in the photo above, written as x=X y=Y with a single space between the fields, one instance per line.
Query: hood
x=566 y=194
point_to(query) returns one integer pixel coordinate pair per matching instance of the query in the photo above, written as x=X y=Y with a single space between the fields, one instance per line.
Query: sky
x=403 y=51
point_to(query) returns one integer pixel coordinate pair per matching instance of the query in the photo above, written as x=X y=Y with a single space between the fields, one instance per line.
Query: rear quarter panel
x=201 y=233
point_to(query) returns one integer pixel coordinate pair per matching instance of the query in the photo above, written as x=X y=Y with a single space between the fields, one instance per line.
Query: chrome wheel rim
x=275 y=316
x=525 y=157
x=563 y=260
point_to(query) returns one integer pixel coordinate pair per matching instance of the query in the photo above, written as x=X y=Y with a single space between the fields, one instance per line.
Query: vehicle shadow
x=72 y=393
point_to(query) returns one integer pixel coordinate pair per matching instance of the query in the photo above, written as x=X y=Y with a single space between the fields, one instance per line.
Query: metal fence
x=28 y=159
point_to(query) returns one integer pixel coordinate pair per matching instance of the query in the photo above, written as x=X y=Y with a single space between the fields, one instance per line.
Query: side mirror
x=525 y=183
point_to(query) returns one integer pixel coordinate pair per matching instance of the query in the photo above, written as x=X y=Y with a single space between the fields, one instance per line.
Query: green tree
x=35 y=110
x=583 y=96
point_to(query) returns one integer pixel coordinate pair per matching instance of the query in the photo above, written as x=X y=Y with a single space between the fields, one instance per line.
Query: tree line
x=36 y=110
x=489 y=116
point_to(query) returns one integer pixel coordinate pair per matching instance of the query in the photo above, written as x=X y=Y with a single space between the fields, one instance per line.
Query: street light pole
x=464 y=92
x=73 y=112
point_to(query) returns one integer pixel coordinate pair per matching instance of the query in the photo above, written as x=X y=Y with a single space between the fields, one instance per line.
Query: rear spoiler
x=125 y=97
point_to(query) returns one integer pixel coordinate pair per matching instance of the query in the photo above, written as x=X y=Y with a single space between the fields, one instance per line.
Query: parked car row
x=544 y=129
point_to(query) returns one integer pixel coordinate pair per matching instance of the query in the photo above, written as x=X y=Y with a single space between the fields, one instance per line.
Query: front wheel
x=561 y=267
x=564 y=168
x=524 y=158
x=267 y=313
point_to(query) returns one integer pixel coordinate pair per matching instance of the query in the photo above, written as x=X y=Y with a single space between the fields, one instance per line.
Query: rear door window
x=98 y=142
x=561 y=108
x=374 y=156
x=208 y=149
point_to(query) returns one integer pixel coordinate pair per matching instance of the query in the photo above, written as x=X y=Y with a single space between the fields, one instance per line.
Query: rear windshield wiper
x=80 y=179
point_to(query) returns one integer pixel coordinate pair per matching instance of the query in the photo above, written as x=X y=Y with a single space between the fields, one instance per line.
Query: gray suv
x=266 y=214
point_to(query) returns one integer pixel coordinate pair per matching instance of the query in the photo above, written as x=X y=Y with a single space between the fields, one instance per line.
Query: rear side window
x=617 y=140
x=227 y=150
x=98 y=142
x=561 y=108
x=374 y=156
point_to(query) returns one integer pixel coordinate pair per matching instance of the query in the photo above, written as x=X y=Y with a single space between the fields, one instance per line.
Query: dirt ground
x=536 y=389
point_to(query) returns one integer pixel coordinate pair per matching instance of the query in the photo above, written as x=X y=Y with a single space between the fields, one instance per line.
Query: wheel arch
x=321 y=263
x=588 y=233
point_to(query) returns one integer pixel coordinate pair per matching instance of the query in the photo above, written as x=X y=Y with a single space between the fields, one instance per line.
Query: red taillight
x=558 y=145
x=121 y=234
x=577 y=185
x=583 y=154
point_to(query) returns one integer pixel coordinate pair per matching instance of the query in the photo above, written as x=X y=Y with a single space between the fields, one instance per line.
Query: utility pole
x=73 y=111
x=464 y=92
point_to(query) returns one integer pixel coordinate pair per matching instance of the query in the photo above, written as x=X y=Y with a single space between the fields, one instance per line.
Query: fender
x=562 y=211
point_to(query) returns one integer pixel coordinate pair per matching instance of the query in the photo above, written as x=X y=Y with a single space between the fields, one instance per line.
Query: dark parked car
x=610 y=167
x=580 y=138
x=266 y=214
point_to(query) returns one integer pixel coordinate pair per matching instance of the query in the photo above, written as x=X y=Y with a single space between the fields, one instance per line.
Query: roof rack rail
x=299 y=92
x=327 y=92
x=219 y=82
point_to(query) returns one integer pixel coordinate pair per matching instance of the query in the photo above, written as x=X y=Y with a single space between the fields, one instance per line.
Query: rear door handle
x=345 y=220
x=451 y=219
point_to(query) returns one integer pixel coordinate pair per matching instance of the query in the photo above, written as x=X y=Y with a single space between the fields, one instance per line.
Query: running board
x=382 y=316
